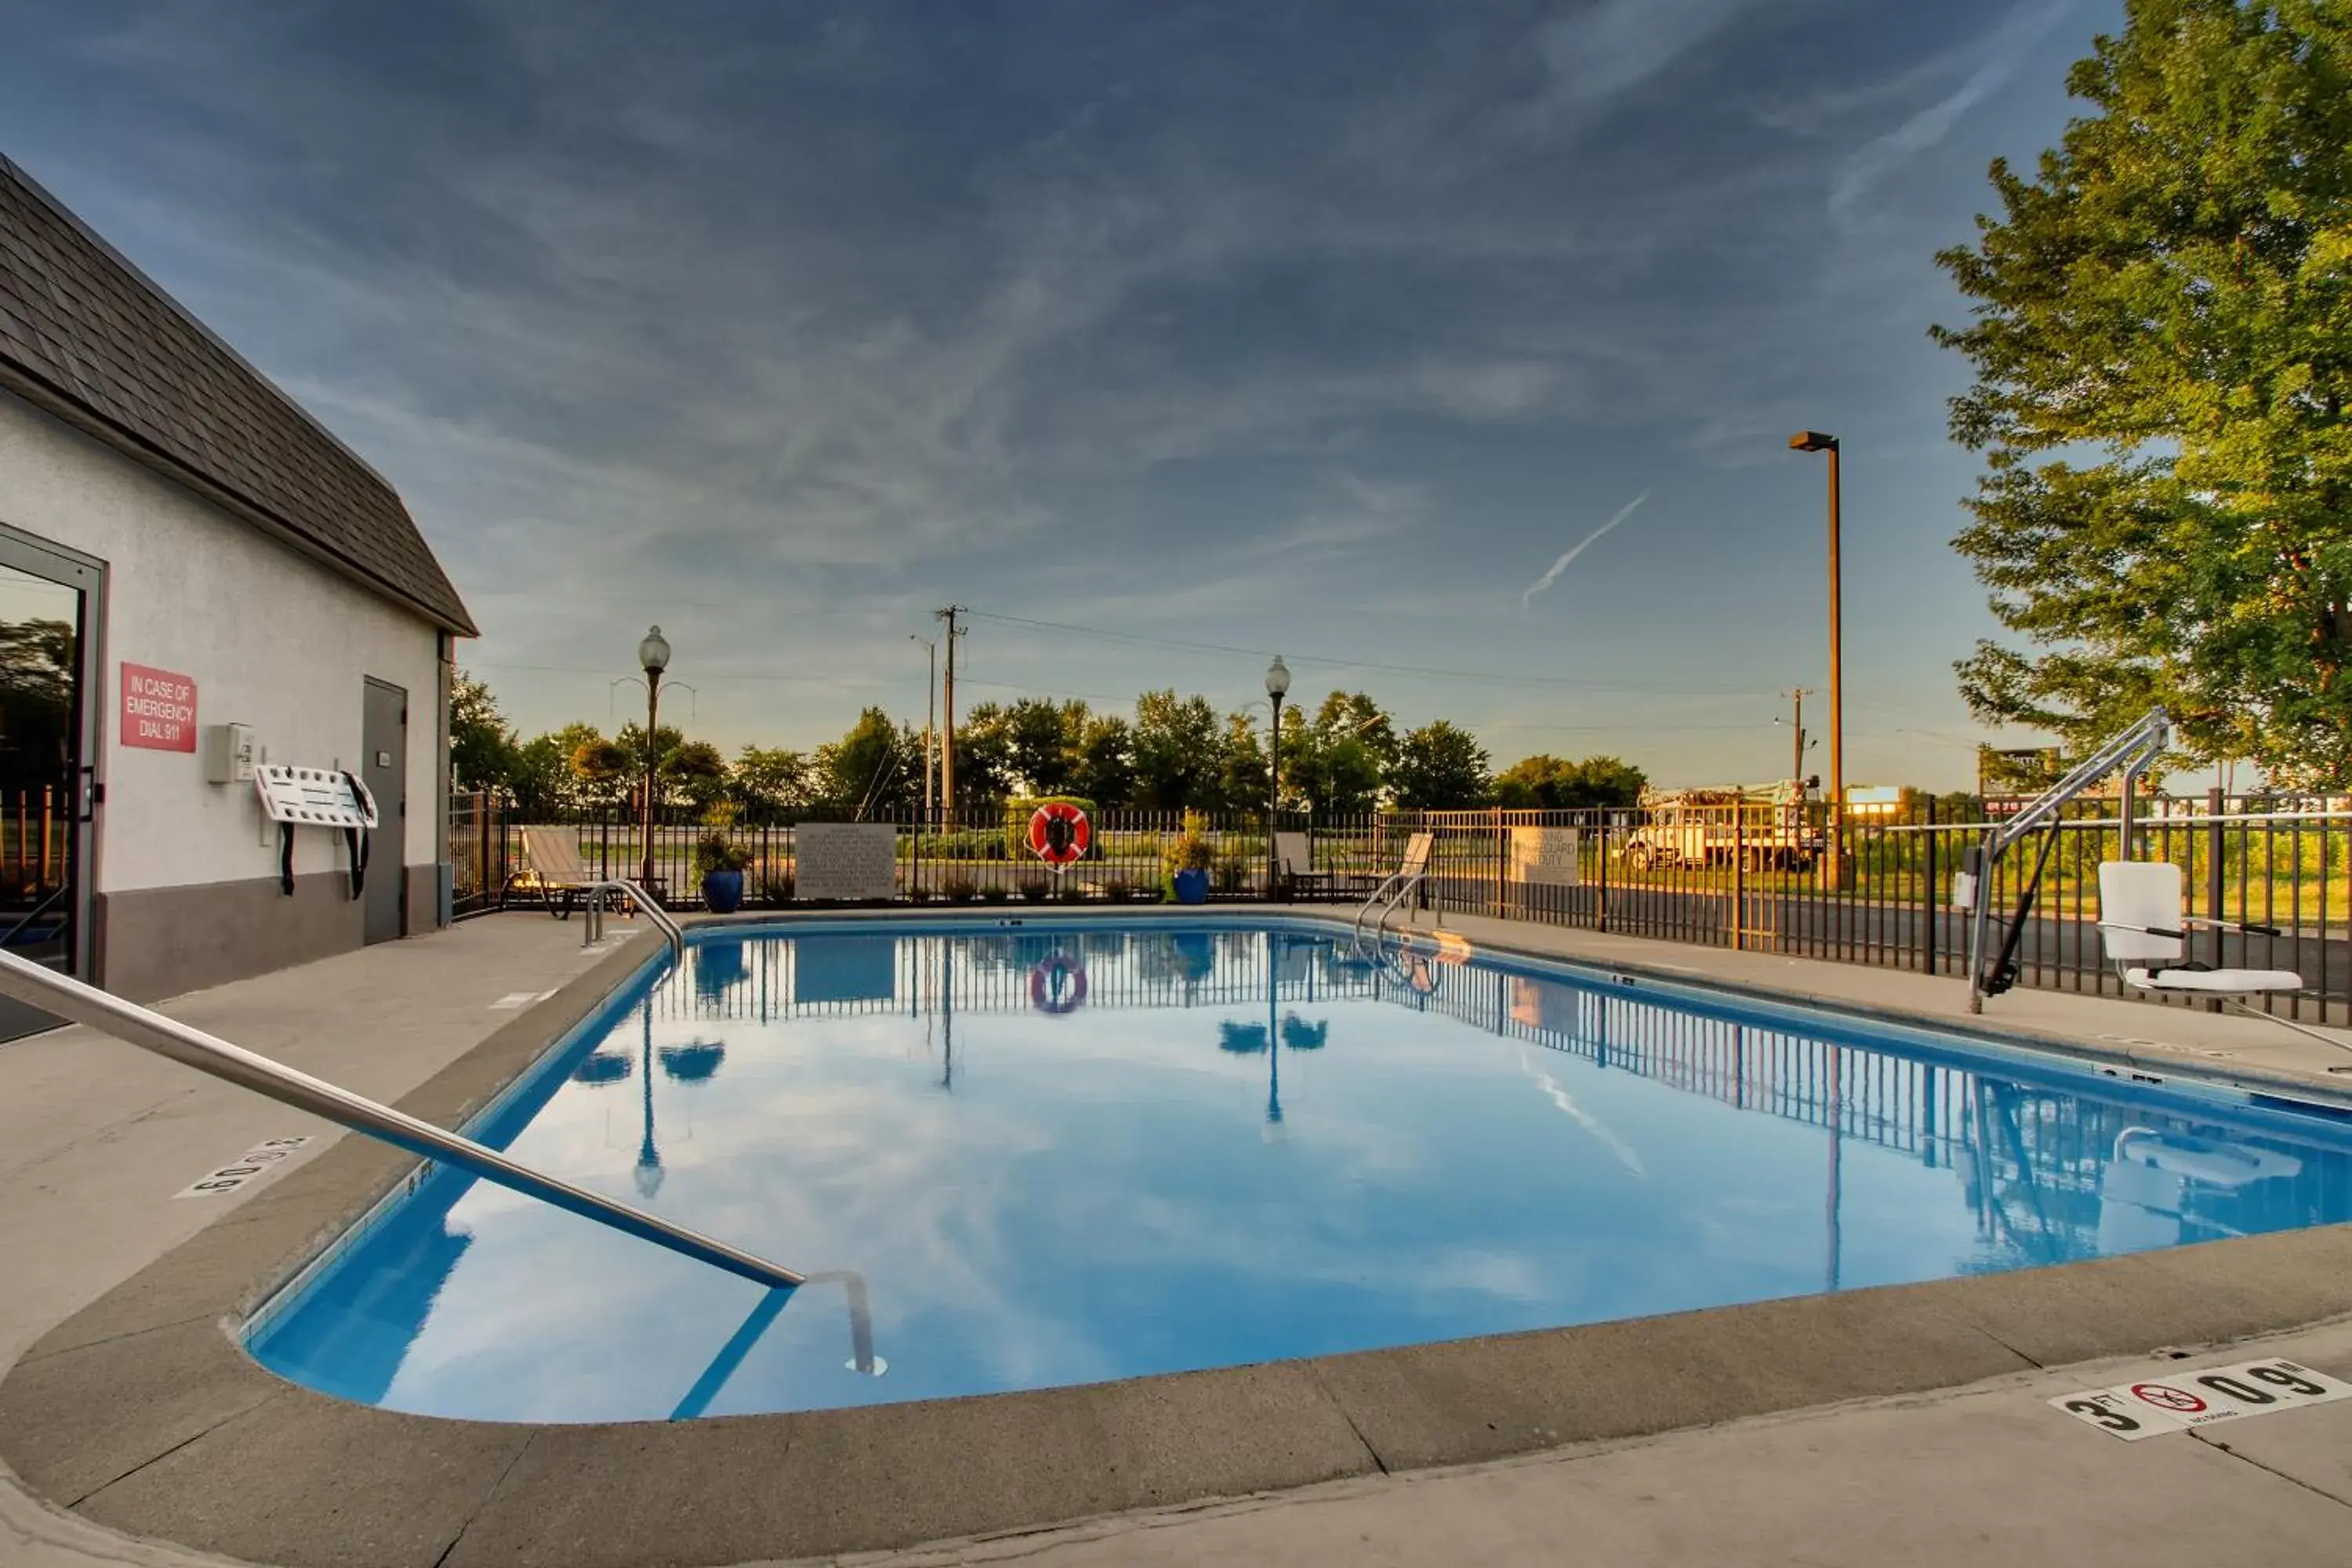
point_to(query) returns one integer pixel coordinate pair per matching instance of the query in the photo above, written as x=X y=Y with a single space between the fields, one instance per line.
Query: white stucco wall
x=271 y=639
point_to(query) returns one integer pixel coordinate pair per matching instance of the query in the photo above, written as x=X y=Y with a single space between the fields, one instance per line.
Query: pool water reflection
x=1019 y=1158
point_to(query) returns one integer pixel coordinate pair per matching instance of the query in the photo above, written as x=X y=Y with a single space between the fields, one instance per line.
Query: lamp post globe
x=653 y=652
x=1278 y=678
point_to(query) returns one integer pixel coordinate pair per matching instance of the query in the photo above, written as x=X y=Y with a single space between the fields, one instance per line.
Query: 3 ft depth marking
x=2178 y=1401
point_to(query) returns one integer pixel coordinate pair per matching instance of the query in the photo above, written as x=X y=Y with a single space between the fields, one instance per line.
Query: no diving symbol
x=2164 y=1396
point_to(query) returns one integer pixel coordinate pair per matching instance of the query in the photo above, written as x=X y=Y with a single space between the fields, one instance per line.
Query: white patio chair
x=1293 y=855
x=2144 y=932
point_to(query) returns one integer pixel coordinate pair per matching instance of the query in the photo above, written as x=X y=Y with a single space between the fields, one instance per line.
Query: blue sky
x=1323 y=327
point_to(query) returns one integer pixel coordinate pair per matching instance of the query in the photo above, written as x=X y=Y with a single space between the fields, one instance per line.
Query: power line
x=1427 y=671
x=470 y=666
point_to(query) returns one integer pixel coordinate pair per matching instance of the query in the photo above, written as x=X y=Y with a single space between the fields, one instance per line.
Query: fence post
x=1600 y=901
x=2215 y=848
x=1739 y=877
x=1502 y=867
x=1931 y=907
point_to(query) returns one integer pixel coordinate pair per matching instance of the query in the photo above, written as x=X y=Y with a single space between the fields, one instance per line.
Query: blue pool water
x=1032 y=1156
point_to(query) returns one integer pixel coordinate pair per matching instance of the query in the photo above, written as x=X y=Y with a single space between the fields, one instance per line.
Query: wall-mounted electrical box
x=229 y=753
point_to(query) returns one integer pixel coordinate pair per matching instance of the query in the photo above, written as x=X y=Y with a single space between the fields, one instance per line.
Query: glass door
x=46 y=761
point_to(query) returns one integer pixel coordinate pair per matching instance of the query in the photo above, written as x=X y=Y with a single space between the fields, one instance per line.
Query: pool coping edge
x=143 y=1413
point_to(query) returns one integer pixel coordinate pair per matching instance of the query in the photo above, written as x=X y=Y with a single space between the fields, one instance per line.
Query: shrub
x=1191 y=849
x=995 y=895
x=1036 y=889
x=772 y=881
x=958 y=890
x=715 y=851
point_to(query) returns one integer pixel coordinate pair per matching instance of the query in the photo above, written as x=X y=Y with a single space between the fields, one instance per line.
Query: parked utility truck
x=1766 y=824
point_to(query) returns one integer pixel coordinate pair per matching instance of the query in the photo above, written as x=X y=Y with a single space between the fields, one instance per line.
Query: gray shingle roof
x=101 y=346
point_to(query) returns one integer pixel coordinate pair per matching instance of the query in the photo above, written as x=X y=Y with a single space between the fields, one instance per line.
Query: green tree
x=1606 y=782
x=2162 y=341
x=1336 y=763
x=602 y=769
x=541 y=780
x=697 y=770
x=482 y=747
x=874 y=769
x=1043 y=737
x=772 y=783
x=984 y=759
x=36 y=658
x=1541 y=782
x=1105 y=770
x=1440 y=767
x=1178 y=742
x=1242 y=782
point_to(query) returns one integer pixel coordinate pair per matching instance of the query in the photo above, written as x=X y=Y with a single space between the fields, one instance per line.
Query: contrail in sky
x=1560 y=566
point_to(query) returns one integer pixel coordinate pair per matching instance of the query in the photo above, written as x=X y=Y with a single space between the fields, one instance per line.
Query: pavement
x=95 y=1138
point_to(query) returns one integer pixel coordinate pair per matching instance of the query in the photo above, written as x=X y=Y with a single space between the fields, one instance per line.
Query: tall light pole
x=653 y=655
x=930 y=714
x=1277 y=683
x=947 y=736
x=1815 y=441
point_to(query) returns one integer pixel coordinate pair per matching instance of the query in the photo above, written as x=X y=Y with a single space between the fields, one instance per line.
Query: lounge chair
x=1293 y=855
x=553 y=856
x=2144 y=931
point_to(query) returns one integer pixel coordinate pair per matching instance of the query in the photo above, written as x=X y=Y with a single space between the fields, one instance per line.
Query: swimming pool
x=1028 y=1154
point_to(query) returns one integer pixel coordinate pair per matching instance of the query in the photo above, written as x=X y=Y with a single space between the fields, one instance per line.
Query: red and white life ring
x=1059 y=833
x=1058 y=985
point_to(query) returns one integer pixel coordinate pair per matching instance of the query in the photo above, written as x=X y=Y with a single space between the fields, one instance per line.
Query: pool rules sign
x=159 y=709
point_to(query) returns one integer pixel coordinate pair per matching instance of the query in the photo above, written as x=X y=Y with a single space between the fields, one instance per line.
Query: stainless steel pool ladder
x=1389 y=896
x=592 y=930
x=70 y=999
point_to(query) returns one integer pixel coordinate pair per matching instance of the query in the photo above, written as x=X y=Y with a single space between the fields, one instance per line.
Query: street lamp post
x=653 y=655
x=1277 y=683
x=1815 y=441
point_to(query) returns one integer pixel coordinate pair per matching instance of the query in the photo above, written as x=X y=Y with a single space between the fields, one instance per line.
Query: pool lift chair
x=2142 y=926
x=2133 y=753
x=2145 y=932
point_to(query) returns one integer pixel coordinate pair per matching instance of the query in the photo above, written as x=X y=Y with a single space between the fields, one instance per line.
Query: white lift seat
x=2144 y=931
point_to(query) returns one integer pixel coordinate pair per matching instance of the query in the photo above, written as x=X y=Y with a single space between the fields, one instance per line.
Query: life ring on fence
x=1058 y=985
x=1059 y=833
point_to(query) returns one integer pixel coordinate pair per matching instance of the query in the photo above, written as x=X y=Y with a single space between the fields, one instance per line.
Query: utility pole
x=947 y=735
x=1797 y=767
x=930 y=728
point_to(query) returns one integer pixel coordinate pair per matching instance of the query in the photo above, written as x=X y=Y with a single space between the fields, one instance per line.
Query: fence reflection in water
x=2050 y=1173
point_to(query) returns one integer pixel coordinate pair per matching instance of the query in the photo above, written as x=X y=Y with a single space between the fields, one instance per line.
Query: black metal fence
x=1872 y=888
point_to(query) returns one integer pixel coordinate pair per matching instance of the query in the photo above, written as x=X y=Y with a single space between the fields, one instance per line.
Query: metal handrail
x=85 y=1004
x=592 y=930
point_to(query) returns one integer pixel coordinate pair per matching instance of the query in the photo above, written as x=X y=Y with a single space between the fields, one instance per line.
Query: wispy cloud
x=798 y=325
x=1998 y=59
x=1579 y=548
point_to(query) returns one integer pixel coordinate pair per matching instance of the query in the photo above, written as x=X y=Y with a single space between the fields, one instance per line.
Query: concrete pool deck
x=132 y=1412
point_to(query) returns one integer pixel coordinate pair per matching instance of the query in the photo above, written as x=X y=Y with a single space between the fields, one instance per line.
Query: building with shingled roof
x=196 y=579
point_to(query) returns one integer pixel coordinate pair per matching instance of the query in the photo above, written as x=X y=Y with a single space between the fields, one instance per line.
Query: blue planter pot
x=1192 y=886
x=723 y=891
